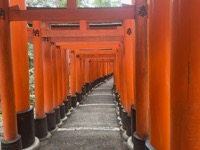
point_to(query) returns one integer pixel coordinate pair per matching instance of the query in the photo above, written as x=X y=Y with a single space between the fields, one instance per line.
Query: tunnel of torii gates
x=152 y=53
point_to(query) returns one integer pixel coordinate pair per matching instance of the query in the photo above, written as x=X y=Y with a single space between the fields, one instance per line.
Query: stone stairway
x=92 y=125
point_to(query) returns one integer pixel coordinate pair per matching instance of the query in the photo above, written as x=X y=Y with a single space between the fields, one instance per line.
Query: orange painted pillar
x=41 y=130
x=159 y=74
x=20 y=59
x=48 y=82
x=54 y=76
x=124 y=80
x=7 y=84
x=55 y=80
x=63 y=83
x=59 y=85
x=63 y=51
x=90 y=71
x=38 y=70
x=73 y=78
x=78 y=78
x=142 y=80
x=87 y=75
x=130 y=69
x=185 y=75
x=98 y=71
x=68 y=101
x=94 y=72
x=117 y=76
x=83 y=86
x=123 y=92
x=67 y=72
x=83 y=26
x=120 y=75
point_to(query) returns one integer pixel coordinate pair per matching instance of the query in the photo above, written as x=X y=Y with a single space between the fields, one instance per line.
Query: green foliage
x=46 y=3
x=99 y=3
x=106 y=3
x=31 y=73
x=81 y=3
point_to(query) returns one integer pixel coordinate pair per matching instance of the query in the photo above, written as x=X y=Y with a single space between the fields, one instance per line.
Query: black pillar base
x=87 y=85
x=83 y=89
x=117 y=97
x=51 y=121
x=57 y=114
x=69 y=98
x=120 y=110
x=74 y=101
x=62 y=111
x=148 y=145
x=79 y=97
x=90 y=87
x=66 y=106
x=12 y=145
x=105 y=78
x=41 y=129
x=114 y=88
x=139 y=143
x=133 y=119
x=124 y=116
x=128 y=128
x=26 y=127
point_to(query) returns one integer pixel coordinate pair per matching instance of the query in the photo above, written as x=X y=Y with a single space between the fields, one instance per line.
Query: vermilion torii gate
x=153 y=53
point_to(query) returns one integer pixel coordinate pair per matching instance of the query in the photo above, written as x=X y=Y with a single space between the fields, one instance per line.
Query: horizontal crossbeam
x=80 y=33
x=72 y=15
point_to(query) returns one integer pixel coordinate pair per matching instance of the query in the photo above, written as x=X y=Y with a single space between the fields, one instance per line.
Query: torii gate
x=153 y=94
x=24 y=15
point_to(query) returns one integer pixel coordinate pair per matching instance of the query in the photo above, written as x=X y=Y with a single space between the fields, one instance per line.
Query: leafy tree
x=106 y=3
x=81 y=3
x=31 y=73
x=46 y=3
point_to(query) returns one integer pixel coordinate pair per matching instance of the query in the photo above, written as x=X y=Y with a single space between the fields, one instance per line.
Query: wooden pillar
x=20 y=62
x=7 y=84
x=38 y=70
x=68 y=101
x=142 y=83
x=159 y=74
x=54 y=76
x=120 y=75
x=130 y=61
x=67 y=72
x=59 y=74
x=20 y=59
x=123 y=92
x=117 y=75
x=124 y=80
x=41 y=130
x=63 y=84
x=82 y=74
x=87 y=75
x=185 y=75
x=129 y=52
x=48 y=82
x=59 y=84
x=90 y=70
x=64 y=94
x=73 y=78
x=78 y=79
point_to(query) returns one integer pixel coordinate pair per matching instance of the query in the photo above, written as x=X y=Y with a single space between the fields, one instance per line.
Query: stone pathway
x=92 y=126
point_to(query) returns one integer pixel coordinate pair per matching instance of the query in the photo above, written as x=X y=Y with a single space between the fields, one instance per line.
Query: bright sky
x=126 y=1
